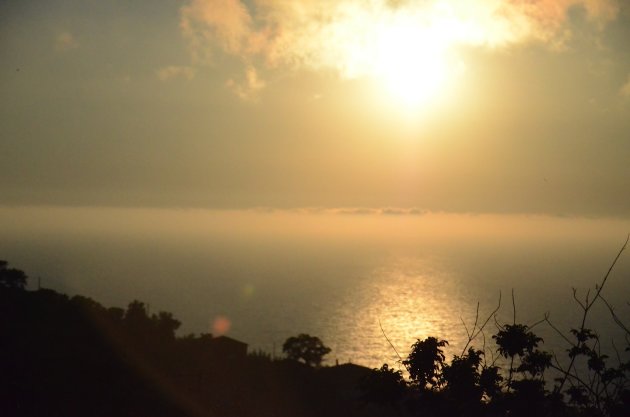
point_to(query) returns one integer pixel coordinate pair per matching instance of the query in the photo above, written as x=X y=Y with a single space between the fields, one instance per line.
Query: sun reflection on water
x=412 y=300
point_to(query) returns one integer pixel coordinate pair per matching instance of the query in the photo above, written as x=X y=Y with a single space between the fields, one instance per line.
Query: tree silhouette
x=11 y=277
x=136 y=318
x=385 y=386
x=166 y=325
x=305 y=348
x=425 y=362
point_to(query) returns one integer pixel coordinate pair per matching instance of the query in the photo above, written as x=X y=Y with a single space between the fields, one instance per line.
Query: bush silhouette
x=471 y=386
x=305 y=348
x=426 y=361
x=70 y=356
x=11 y=277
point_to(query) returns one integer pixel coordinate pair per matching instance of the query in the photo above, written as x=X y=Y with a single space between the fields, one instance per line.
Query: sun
x=410 y=64
x=410 y=55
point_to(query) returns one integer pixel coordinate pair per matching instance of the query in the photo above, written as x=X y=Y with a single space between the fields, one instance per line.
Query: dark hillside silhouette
x=71 y=356
x=10 y=277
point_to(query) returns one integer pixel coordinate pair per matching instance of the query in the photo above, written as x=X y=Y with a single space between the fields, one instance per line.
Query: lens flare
x=221 y=325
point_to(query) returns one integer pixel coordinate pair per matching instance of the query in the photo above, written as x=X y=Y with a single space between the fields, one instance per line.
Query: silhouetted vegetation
x=71 y=356
x=305 y=348
x=514 y=382
x=11 y=277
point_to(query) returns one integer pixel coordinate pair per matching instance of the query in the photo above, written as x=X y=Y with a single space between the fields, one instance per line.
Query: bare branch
x=476 y=317
x=558 y=331
x=465 y=327
x=390 y=342
x=538 y=322
x=513 y=308
x=577 y=300
x=616 y=318
x=586 y=307
x=601 y=286
x=477 y=331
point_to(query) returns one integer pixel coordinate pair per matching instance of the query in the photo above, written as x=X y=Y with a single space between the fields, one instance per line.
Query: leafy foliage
x=12 y=278
x=425 y=362
x=71 y=356
x=535 y=363
x=516 y=340
x=49 y=337
x=305 y=348
x=469 y=386
x=384 y=386
x=462 y=376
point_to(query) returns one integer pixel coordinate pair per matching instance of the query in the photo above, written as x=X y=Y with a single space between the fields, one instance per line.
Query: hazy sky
x=477 y=106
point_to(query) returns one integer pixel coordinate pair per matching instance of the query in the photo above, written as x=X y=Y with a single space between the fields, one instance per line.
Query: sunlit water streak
x=263 y=289
x=409 y=299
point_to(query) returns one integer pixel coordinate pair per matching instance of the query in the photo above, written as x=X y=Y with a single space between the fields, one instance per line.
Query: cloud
x=354 y=211
x=548 y=21
x=625 y=89
x=173 y=71
x=225 y=24
x=249 y=86
x=65 y=41
x=340 y=35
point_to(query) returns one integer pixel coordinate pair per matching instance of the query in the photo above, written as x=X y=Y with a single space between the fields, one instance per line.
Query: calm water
x=262 y=277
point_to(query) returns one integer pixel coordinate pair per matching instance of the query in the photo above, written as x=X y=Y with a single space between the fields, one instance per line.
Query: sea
x=367 y=282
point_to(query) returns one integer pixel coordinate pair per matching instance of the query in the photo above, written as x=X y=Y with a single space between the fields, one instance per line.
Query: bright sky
x=490 y=106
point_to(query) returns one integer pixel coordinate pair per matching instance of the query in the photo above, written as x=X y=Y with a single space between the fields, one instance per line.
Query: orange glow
x=221 y=325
